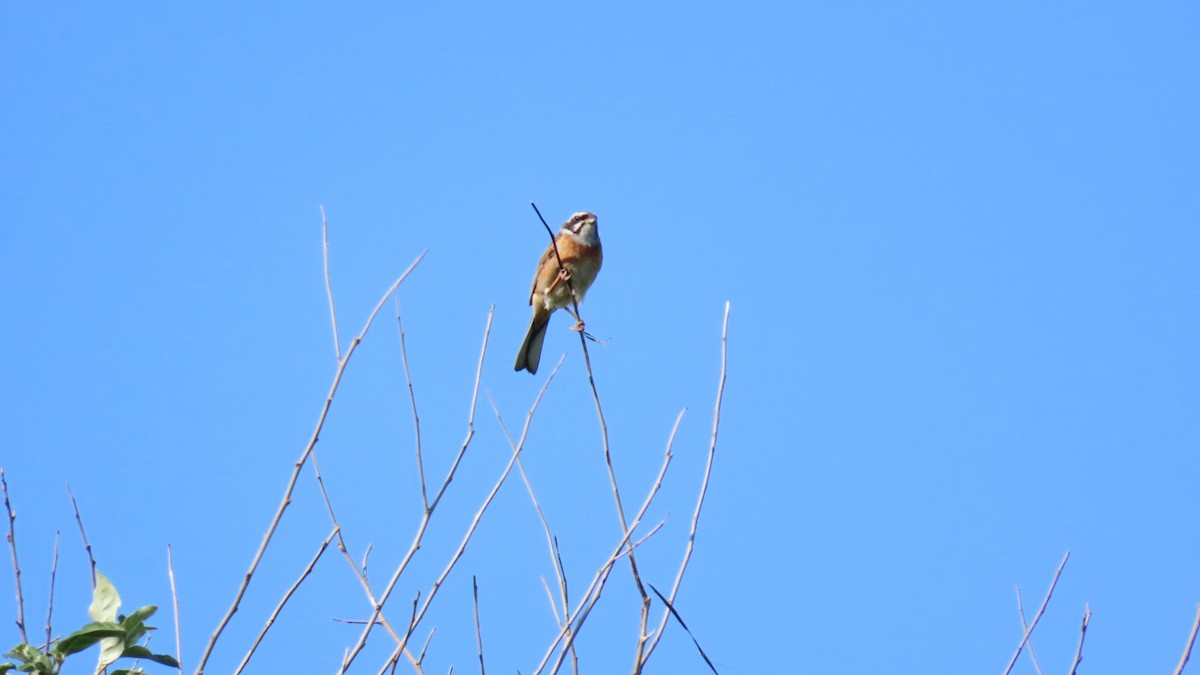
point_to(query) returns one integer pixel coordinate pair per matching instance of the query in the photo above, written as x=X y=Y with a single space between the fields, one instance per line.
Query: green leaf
x=5 y=667
x=105 y=600
x=86 y=637
x=142 y=613
x=35 y=662
x=140 y=652
x=24 y=652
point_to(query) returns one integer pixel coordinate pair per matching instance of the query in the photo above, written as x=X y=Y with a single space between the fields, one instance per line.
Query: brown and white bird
x=578 y=243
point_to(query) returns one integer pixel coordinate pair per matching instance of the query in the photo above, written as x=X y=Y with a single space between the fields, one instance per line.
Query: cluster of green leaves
x=117 y=635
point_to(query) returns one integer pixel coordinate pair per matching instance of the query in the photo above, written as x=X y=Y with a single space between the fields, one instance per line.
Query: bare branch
x=478 y=632
x=1187 y=651
x=551 y=540
x=1037 y=617
x=1087 y=616
x=283 y=601
x=462 y=546
x=12 y=545
x=50 y=604
x=299 y=465
x=712 y=451
x=612 y=475
x=353 y=652
x=337 y=341
x=175 y=607
x=83 y=534
x=1024 y=627
x=412 y=397
x=574 y=623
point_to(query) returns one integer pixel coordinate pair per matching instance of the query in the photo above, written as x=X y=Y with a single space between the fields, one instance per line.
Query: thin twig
x=12 y=545
x=175 y=608
x=353 y=652
x=712 y=450
x=551 y=540
x=462 y=546
x=87 y=547
x=337 y=341
x=50 y=604
x=299 y=465
x=428 y=640
x=574 y=622
x=1024 y=627
x=1187 y=651
x=612 y=475
x=478 y=632
x=1037 y=617
x=283 y=601
x=412 y=397
x=1087 y=616
x=359 y=573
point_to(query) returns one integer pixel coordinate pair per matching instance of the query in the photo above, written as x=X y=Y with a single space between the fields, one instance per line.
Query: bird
x=578 y=242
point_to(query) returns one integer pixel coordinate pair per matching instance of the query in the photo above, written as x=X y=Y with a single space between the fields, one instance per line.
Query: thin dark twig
x=412 y=397
x=12 y=545
x=612 y=475
x=337 y=341
x=712 y=451
x=675 y=613
x=1087 y=616
x=1187 y=651
x=299 y=465
x=478 y=632
x=50 y=604
x=1025 y=627
x=175 y=607
x=87 y=547
x=1037 y=617
x=284 y=600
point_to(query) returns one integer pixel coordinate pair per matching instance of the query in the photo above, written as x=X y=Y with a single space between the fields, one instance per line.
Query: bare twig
x=712 y=451
x=551 y=540
x=612 y=475
x=12 y=545
x=1087 y=616
x=283 y=601
x=359 y=573
x=478 y=632
x=1037 y=617
x=574 y=622
x=337 y=341
x=462 y=546
x=412 y=397
x=50 y=604
x=299 y=465
x=428 y=640
x=353 y=652
x=1024 y=627
x=1187 y=651
x=175 y=608
x=83 y=534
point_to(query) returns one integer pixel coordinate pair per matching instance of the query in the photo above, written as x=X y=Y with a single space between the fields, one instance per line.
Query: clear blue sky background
x=961 y=243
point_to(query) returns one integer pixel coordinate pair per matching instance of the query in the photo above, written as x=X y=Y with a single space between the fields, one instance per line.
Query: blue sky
x=960 y=242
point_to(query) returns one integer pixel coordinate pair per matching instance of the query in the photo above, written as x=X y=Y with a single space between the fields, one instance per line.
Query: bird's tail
x=531 y=350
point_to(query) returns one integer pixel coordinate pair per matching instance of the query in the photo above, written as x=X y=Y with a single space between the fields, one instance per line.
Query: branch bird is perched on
x=578 y=243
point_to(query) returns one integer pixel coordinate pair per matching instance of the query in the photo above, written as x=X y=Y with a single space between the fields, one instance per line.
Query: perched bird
x=578 y=243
